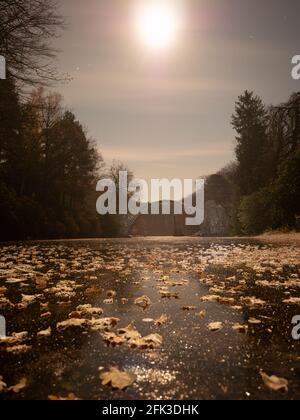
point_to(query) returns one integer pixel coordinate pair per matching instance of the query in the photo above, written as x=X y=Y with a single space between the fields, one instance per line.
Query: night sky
x=168 y=114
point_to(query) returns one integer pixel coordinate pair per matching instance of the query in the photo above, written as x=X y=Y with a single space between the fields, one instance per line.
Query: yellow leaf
x=143 y=302
x=117 y=379
x=162 y=320
x=275 y=383
x=18 y=387
x=215 y=326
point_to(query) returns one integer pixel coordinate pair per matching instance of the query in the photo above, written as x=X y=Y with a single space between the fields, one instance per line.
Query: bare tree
x=27 y=29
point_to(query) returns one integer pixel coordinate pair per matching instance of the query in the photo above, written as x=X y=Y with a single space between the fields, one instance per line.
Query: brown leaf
x=71 y=323
x=113 y=339
x=218 y=299
x=117 y=379
x=44 y=333
x=103 y=324
x=3 y=385
x=93 y=291
x=5 y=303
x=3 y=290
x=148 y=320
x=188 y=308
x=129 y=333
x=253 y=302
x=215 y=326
x=46 y=315
x=242 y=329
x=88 y=310
x=202 y=314
x=292 y=301
x=108 y=301
x=15 y=338
x=18 y=387
x=161 y=321
x=20 y=349
x=254 y=321
x=111 y=294
x=210 y=298
x=152 y=341
x=143 y=301
x=165 y=294
x=275 y=383
x=70 y=397
x=41 y=282
x=28 y=300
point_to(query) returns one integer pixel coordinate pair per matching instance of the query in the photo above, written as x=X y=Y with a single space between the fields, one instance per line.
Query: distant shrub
x=254 y=213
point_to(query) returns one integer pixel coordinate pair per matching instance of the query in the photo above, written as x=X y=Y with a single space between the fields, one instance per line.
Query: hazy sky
x=167 y=114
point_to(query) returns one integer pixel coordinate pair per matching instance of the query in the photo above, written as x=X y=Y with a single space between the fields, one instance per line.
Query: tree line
x=49 y=166
x=265 y=176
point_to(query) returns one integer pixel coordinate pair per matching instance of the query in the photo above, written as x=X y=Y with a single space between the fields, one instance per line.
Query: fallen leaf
x=5 y=303
x=20 y=349
x=71 y=323
x=3 y=385
x=202 y=314
x=70 y=397
x=254 y=321
x=113 y=339
x=93 y=291
x=292 y=301
x=88 y=310
x=28 y=300
x=18 y=387
x=148 y=320
x=242 y=329
x=117 y=379
x=253 y=302
x=275 y=383
x=215 y=326
x=111 y=294
x=226 y=301
x=152 y=341
x=46 y=315
x=218 y=299
x=188 y=308
x=15 y=338
x=143 y=301
x=3 y=290
x=168 y=295
x=129 y=333
x=41 y=282
x=108 y=301
x=44 y=333
x=161 y=321
x=210 y=298
x=103 y=324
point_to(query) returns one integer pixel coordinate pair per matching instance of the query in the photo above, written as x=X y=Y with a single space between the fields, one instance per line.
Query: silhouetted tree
x=27 y=29
x=250 y=122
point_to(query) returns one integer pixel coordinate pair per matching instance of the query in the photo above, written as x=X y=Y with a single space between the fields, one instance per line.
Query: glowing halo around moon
x=157 y=23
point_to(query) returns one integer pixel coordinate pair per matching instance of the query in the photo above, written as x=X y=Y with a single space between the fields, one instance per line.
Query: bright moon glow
x=157 y=24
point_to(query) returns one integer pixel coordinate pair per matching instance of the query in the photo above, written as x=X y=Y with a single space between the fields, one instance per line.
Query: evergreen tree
x=250 y=122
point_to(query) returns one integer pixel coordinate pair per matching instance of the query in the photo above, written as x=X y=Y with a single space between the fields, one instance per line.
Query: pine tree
x=250 y=122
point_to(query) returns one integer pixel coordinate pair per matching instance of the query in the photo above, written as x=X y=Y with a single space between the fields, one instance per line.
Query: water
x=193 y=362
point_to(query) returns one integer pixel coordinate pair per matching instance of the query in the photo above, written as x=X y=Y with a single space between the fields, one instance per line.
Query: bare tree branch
x=27 y=31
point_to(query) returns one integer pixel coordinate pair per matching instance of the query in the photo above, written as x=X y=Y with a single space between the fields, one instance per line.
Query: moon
x=157 y=24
